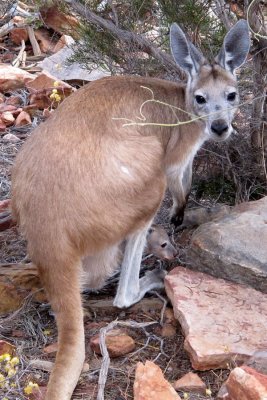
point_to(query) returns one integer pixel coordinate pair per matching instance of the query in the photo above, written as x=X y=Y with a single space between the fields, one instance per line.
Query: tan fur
x=83 y=183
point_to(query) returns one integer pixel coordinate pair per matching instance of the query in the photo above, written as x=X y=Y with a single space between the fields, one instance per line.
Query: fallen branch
x=5 y=29
x=35 y=46
x=19 y=58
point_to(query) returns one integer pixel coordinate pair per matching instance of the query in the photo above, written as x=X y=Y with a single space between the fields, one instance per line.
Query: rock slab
x=234 y=246
x=150 y=384
x=190 y=383
x=247 y=384
x=222 y=321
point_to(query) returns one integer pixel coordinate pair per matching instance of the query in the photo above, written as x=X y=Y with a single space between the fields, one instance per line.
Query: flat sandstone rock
x=150 y=383
x=234 y=247
x=223 y=322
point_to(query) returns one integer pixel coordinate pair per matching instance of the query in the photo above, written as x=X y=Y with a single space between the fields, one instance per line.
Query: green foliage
x=197 y=19
x=149 y=18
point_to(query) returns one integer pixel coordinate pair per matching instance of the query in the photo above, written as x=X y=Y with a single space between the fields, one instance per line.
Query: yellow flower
x=56 y=84
x=208 y=392
x=5 y=357
x=31 y=387
x=47 y=332
x=2 y=381
x=185 y=395
x=11 y=372
x=14 y=361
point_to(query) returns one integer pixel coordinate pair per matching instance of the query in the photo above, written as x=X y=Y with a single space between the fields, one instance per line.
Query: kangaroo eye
x=163 y=245
x=200 y=99
x=231 y=96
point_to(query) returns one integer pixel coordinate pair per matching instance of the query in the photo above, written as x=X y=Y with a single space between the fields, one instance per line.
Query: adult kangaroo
x=89 y=178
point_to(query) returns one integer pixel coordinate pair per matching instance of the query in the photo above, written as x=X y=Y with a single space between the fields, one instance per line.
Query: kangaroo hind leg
x=62 y=284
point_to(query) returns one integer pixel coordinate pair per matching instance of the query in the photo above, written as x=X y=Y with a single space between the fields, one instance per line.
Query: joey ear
x=185 y=54
x=235 y=47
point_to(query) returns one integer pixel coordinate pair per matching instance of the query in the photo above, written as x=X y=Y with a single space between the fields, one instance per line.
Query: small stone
x=19 y=34
x=6 y=347
x=59 y=21
x=9 y=137
x=247 y=384
x=45 y=81
x=8 y=118
x=168 y=330
x=23 y=119
x=51 y=348
x=118 y=343
x=190 y=383
x=150 y=384
x=12 y=78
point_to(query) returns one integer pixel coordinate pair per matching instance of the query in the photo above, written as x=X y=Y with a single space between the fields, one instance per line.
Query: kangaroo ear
x=185 y=54
x=235 y=47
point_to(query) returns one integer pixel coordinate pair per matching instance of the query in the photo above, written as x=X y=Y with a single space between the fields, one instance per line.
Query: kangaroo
x=88 y=178
x=158 y=243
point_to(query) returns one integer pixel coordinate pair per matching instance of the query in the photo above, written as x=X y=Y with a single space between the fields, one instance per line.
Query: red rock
x=23 y=119
x=17 y=281
x=46 y=81
x=12 y=78
x=246 y=384
x=190 y=383
x=118 y=343
x=7 y=118
x=222 y=321
x=44 y=40
x=63 y=41
x=19 y=34
x=59 y=21
x=51 y=348
x=7 y=107
x=6 y=347
x=150 y=384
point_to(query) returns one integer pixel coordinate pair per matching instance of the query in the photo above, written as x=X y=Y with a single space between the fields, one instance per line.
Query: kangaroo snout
x=219 y=126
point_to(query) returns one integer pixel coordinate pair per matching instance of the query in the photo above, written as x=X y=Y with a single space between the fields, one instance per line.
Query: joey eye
x=163 y=245
x=231 y=96
x=200 y=99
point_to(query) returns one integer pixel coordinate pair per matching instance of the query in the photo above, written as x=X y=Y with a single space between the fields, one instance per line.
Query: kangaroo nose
x=219 y=126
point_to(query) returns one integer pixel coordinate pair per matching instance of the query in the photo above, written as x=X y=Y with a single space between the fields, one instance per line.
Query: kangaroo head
x=212 y=88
